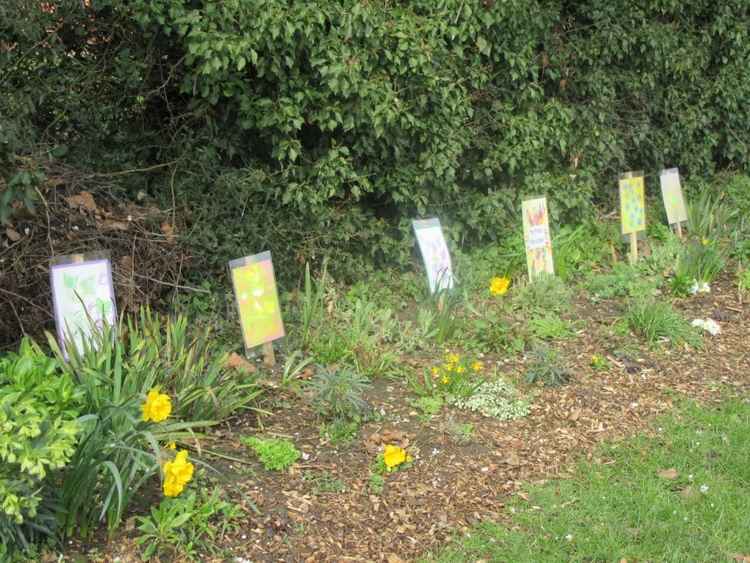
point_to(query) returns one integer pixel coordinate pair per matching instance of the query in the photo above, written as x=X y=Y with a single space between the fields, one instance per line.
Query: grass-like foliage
x=339 y=393
x=657 y=321
x=624 y=509
x=547 y=367
x=274 y=453
x=545 y=294
x=187 y=527
x=701 y=261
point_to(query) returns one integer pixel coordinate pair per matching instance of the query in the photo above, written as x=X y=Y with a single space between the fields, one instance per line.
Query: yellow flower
x=177 y=474
x=435 y=372
x=460 y=369
x=157 y=407
x=446 y=380
x=499 y=286
x=705 y=241
x=171 y=446
x=452 y=358
x=477 y=366
x=394 y=456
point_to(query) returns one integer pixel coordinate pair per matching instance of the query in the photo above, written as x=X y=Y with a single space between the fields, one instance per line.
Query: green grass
x=623 y=509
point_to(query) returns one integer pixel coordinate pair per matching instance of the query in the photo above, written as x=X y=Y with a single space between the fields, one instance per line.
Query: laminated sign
x=537 y=238
x=632 y=204
x=257 y=299
x=437 y=259
x=671 y=193
x=83 y=297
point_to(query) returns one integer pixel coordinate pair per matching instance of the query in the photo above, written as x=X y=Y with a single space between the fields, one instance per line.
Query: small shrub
x=187 y=527
x=624 y=280
x=39 y=408
x=656 y=320
x=700 y=261
x=547 y=367
x=547 y=293
x=275 y=454
x=339 y=431
x=496 y=399
x=429 y=405
x=339 y=393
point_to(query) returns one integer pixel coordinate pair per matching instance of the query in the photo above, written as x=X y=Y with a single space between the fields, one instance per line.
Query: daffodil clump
x=599 y=362
x=456 y=375
x=393 y=458
x=157 y=407
x=499 y=285
x=177 y=474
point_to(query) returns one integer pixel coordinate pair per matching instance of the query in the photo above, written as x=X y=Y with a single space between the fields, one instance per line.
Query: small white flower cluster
x=497 y=399
x=709 y=325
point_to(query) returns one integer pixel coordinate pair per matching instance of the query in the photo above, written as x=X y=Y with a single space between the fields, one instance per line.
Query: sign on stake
x=83 y=297
x=435 y=254
x=537 y=238
x=632 y=209
x=257 y=302
x=674 y=201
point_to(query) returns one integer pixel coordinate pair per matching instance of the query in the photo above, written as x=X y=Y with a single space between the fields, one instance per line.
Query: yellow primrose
x=477 y=366
x=452 y=358
x=157 y=407
x=460 y=369
x=499 y=286
x=177 y=474
x=171 y=446
x=394 y=456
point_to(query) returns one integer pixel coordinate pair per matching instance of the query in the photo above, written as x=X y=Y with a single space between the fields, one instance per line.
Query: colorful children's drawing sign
x=632 y=204
x=257 y=299
x=537 y=237
x=671 y=193
x=83 y=297
x=437 y=258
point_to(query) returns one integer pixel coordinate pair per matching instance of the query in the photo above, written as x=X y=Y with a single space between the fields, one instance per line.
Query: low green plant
x=339 y=393
x=546 y=367
x=190 y=526
x=710 y=217
x=743 y=281
x=578 y=249
x=657 y=321
x=701 y=261
x=456 y=377
x=599 y=362
x=486 y=334
x=547 y=293
x=39 y=429
x=623 y=280
x=429 y=404
x=275 y=454
x=294 y=364
x=550 y=327
x=376 y=484
x=312 y=304
x=339 y=431
x=681 y=285
x=496 y=399
x=324 y=482
x=446 y=302
x=461 y=432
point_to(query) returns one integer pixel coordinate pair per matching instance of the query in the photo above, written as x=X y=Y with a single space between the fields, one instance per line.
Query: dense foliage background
x=318 y=126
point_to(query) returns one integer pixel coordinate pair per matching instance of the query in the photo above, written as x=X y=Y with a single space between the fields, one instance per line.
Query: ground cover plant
x=677 y=494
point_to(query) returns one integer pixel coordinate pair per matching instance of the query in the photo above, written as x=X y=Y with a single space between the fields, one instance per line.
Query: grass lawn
x=680 y=495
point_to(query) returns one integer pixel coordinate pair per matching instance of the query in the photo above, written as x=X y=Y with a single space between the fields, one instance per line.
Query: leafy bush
x=339 y=393
x=187 y=527
x=657 y=320
x=275 y=454
x=545 y=294
x=39 y=409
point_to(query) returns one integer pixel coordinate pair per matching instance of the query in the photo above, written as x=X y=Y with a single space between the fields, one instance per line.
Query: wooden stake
x=678 y=225
x=633 y=248
x=269 y=357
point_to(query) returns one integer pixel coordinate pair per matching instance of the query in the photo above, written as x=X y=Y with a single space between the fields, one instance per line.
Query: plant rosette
x=393 y=458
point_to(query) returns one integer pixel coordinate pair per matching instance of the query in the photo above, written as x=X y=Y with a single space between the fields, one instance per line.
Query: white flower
x=709 y=325
x=569 y=537
x=704 y=489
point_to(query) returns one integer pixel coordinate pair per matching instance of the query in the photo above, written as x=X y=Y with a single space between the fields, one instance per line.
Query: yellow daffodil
x=435 y=372
x=477 y=366
x=452 y=358
x=460 y=369
x=157 y=407
x=177 y=474
x=446 y=380
x=499 y=286
x=394 y=456
x=171 y=446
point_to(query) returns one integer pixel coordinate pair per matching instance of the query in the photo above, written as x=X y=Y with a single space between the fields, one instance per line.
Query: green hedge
x=310 y=126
